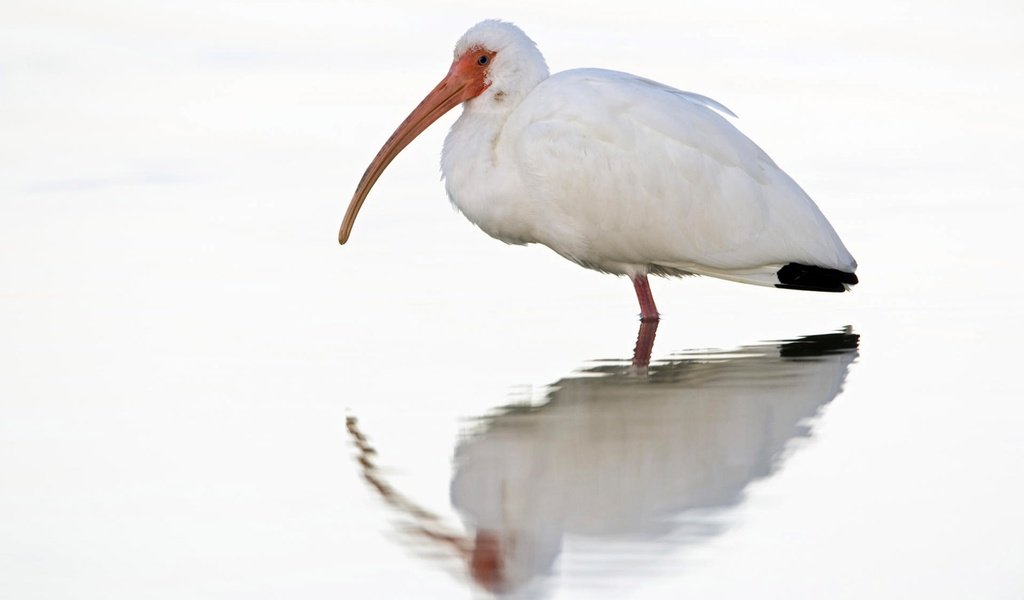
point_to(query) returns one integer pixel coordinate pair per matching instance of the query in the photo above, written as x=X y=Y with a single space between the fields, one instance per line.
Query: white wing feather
x=632 y=174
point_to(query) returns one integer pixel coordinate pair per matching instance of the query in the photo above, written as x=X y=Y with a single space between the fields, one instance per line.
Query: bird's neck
x=480 y=179
x=470 y=151
x=474 y=136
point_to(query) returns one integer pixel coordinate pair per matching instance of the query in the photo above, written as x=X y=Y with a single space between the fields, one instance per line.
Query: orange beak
x=465 y=80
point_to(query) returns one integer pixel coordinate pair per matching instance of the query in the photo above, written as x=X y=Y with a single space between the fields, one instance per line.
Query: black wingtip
x=795 y=276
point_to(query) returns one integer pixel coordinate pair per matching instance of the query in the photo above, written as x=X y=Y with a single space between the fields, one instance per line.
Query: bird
x=615 y=172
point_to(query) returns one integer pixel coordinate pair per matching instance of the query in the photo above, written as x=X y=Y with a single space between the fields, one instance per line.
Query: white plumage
x=617 y=173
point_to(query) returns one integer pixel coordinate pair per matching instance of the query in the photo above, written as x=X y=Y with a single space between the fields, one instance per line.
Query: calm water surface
x=203 y=396
x=629 y=460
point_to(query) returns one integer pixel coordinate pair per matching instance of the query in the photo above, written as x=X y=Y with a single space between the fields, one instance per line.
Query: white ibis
x=614 y=172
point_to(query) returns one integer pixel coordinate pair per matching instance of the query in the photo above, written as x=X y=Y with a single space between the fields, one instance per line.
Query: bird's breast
x=494 y=206
x=484 y=185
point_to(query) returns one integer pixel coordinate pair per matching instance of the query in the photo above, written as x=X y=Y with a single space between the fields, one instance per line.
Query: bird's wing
x=633 y=171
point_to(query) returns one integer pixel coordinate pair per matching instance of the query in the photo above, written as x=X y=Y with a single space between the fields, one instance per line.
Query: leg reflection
x=644 y=344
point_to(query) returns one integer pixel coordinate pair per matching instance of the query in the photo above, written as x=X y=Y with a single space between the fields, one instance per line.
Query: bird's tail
x=792 y=276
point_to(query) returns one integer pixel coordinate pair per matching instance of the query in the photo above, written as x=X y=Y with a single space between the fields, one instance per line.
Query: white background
x=181 y=337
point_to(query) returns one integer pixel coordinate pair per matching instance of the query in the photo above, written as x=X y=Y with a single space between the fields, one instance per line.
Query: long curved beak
x=454 y=89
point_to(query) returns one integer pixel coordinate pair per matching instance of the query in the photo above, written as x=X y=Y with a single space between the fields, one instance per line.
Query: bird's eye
x=483 y=60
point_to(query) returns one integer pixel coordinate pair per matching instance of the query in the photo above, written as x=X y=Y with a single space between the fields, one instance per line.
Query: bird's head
x=495 y=66
x=514 y=69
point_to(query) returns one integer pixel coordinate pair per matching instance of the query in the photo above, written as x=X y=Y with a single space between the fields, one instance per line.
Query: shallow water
x=205 y=397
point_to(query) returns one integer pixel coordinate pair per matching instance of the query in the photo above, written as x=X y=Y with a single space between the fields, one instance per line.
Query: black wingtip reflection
x=821 y=345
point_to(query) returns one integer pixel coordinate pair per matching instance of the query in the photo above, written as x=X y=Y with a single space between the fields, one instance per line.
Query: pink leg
x=648 y=311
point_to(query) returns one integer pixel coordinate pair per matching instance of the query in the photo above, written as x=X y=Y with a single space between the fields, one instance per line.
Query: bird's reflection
x=634 y=451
